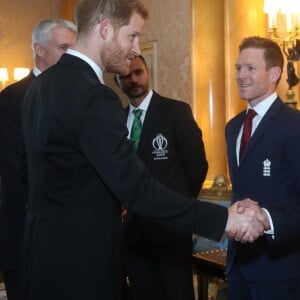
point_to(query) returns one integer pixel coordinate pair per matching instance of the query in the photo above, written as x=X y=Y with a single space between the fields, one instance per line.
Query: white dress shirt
x=260 y=109
x=36 y=72
x=93 y=65
x=143 y=106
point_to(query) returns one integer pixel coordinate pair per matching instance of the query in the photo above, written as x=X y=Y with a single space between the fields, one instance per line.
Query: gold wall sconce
x=3 y=76
x=284 y=25
x=18 y=74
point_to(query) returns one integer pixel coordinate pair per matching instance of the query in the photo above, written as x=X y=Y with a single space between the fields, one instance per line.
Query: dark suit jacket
x=183 y=166
x=180 y=164
x=269 y=172
x=13 y=190
x=81 y=169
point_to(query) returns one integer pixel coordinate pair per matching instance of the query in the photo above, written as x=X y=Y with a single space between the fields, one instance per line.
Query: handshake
x=246 y=222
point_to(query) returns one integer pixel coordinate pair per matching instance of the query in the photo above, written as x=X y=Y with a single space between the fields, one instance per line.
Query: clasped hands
x=247 y=221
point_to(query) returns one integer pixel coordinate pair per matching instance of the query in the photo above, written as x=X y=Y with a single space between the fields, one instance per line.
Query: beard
x=114 y=58
x=136 y=90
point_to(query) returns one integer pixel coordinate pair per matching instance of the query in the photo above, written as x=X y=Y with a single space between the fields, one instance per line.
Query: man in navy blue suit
x=50 y=39
x=268 y=171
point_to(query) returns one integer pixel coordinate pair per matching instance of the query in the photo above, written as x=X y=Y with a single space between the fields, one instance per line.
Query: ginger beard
x=116 y=59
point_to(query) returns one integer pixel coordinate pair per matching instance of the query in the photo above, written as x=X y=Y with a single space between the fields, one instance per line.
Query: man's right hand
x=247 y=221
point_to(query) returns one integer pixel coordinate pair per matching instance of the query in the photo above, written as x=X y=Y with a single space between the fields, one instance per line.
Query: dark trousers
x=241 y=289
x=160 y=273
x=10 y=279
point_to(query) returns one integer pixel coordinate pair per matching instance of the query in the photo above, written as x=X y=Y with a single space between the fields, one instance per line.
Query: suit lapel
x=265 y=123
x=152 y=117
x=232 y=138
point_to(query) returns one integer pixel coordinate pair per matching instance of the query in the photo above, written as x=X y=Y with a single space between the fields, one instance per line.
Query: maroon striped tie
x=247 y=130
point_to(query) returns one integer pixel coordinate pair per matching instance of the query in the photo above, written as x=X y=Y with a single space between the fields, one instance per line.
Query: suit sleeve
x=191 y=149
x=286 y=216
x=108 y=150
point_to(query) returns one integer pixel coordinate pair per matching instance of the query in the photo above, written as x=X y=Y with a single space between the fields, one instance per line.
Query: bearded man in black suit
x=159 y=262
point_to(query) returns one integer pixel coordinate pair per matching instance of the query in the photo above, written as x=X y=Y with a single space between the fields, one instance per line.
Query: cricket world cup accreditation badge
x=160 y=145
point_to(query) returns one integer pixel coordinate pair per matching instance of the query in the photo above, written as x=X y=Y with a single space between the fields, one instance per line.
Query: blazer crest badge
x=160 y=145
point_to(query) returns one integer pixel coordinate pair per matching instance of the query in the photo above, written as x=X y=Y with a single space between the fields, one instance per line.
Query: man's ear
x=275 y=73
x=39 y=49
x=149 y=73
x=106 y=28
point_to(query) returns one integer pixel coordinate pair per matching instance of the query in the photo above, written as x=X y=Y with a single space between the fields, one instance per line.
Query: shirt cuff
x=271 y=230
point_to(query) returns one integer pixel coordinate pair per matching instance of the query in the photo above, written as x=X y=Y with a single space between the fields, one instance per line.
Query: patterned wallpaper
x=170 y=25
x=17 y=19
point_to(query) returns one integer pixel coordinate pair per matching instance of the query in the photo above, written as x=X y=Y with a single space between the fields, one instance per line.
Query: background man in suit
x=82 y=167
x=158 y=261
x=268 y=171
x=50 y=39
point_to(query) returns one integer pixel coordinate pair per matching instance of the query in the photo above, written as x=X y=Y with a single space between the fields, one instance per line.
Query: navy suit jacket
x=269 y=173
x=13 y=190
x=81 y=169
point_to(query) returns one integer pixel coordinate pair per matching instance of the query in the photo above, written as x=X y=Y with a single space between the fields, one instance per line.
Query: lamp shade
x=20 y=73
x=3 y=74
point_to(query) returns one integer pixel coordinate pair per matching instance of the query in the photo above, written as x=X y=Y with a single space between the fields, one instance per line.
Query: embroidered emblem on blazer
x=266 y=168
x=160 y=144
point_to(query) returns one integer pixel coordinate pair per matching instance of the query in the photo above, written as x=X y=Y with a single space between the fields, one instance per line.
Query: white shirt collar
x=93 y=65
x=36 y=71
x=144 y=104
x=262 y=107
